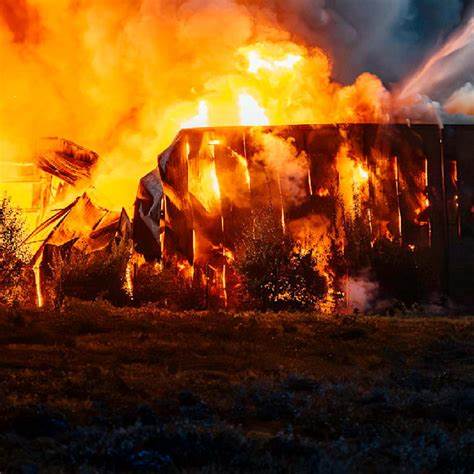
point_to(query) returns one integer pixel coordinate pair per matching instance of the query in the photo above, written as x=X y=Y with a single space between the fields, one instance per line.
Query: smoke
x=289 y=165
x=114 y=77
x=120 y=78
x=393 y=41
x=361 y=291
x=461 y=101
x=386 y=37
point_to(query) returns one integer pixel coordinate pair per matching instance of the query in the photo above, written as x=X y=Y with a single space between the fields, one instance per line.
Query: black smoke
x=389 y=38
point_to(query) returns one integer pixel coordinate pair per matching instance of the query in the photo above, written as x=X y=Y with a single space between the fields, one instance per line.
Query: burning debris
x=67 y=161
x=58 y=166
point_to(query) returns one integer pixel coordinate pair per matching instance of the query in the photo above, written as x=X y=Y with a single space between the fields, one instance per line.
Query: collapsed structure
x=57 y=167
x=409 y=184
x=81 y=227
x=59 y=170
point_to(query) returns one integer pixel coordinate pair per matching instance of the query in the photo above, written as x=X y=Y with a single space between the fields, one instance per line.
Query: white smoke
x=461 y=101
x=361 y=291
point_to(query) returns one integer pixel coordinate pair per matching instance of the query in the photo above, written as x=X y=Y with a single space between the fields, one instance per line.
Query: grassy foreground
x=97 y=389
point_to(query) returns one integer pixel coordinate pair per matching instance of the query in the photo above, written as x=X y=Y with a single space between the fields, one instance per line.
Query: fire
x=256 y=62
x=214 y=181
x=199 y=120
x=39 y=293
x=251 y=113
x=115 y=86
x=362 y=175
x=286 y=83
x=128 y=284
x=243 y=163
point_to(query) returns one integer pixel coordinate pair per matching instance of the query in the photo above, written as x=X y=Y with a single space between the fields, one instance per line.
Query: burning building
x=411 y=185
x=115 y=84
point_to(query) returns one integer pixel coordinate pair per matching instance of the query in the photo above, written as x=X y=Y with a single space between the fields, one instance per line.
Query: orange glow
x=243 y=163
x=128 y=284
x=214 y=181
x=185 y=269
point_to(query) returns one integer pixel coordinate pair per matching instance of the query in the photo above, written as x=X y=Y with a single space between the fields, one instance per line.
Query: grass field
x=98 y=389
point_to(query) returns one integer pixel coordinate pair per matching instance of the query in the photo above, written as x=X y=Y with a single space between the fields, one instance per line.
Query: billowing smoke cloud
x=386 y=37
x=462 y=101
x=112 y=76
x=392 y=41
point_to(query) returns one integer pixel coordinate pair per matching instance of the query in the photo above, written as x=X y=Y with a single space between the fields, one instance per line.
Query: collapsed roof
x=65 y=159
x=83 y=225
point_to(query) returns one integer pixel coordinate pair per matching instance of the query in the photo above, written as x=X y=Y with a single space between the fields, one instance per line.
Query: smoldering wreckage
x=410 y=185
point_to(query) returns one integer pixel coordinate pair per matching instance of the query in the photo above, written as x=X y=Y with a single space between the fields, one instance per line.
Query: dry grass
x=137 y=389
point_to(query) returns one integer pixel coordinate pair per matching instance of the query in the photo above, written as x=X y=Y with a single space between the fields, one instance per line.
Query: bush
x=90 y=276
x=277 y=272
x=164 y=286
x=13 y=253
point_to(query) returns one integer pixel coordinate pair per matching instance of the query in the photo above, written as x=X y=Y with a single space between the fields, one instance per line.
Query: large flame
x=123 y=78
x=251 y=113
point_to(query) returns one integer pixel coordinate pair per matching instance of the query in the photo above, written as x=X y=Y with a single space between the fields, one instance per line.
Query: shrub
x=164 y=286
x=90 y=276
x=277 y=272
x=13 y=253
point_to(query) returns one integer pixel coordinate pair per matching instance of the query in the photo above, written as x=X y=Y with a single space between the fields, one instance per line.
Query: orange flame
x=39 y=292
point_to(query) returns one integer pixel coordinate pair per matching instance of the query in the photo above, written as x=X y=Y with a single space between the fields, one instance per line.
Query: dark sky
x=387 y=37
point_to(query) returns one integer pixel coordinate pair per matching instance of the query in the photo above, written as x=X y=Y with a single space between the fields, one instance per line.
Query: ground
x=95 y=389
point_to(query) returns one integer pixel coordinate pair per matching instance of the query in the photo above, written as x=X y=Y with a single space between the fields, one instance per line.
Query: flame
x=243 y=163
x=185 y=269
x=362 y=175
x=256 y=62
x=115 y=86
x=199 y=120
x=128 y=284
x=39 y=292
x=250 y=111
x=215 y=181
